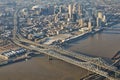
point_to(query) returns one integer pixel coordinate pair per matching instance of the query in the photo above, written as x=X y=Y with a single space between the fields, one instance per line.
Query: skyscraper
x=104 y=18
x=81 y=22
x=101 y=19
x=79 y=10
x=74 y=17
x=98 y=22
x=74 y=8
x=90 y=25
x=100 y=15
x=70 y=11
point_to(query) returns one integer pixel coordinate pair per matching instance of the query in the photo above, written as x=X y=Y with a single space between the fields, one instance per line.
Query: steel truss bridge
x=96 y=65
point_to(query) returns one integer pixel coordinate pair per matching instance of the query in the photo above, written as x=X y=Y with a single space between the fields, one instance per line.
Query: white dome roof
x=37 y=7
x=24 y=9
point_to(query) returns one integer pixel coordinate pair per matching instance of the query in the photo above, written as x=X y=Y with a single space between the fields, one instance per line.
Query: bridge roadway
x=97 y=61
x=86 y=65
x=111 y=29
x=93 y=77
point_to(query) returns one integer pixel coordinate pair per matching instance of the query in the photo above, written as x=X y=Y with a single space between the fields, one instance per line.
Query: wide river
x=103 y=44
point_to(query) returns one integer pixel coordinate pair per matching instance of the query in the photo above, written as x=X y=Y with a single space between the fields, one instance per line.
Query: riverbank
x=81 y=36
x=68 y=37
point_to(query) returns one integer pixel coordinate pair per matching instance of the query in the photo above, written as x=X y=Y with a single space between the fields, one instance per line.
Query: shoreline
x=81 y=36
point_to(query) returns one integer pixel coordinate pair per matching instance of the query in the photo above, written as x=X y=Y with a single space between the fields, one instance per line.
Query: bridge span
x=95 y=65
x=94 y=60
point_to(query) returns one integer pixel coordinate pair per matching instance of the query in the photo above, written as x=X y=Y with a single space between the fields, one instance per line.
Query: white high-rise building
x=79 y=10
x=60 y=9
x=81 y=22
x=100 y=15
x=98 y=22
x=74 y=8
x=70 y=11
x=90 y=25
x=104 y=18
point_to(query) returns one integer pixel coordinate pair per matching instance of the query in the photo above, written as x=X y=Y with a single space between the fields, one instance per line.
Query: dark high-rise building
x=74 y=17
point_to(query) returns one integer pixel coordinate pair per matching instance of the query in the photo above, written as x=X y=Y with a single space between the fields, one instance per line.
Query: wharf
x=81 y=36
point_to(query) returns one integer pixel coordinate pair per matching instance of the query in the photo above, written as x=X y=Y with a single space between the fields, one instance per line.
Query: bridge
x=84 y=64
x=98 y=61
x=93 y=77
x=112 y=30
x=94 y=64
x=113 y=19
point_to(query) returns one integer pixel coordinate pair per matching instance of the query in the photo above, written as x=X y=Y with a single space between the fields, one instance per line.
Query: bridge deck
x=86 y=65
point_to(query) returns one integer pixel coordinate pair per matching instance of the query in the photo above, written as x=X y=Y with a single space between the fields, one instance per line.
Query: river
x=40 y=68
x=104 y=44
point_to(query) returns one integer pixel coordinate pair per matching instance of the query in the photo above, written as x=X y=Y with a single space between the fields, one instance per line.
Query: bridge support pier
x=117 y=75
x=50 y=58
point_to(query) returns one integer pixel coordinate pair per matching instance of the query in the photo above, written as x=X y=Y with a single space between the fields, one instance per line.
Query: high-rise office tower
x=104 y=18
x=79 y=10
x=100 y=15
x=60 y=9
x=74 y=8
x=56 y=18
x=54 y=9
x=29 y=21
x=101 y=19
x=81 y=22
x=90 y=13
x=70 y=11
x=98 y=22
x=74 y=17
x=90 y=25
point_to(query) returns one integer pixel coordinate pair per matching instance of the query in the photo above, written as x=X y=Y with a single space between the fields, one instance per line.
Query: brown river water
x=40 y=68
x=104 y=44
